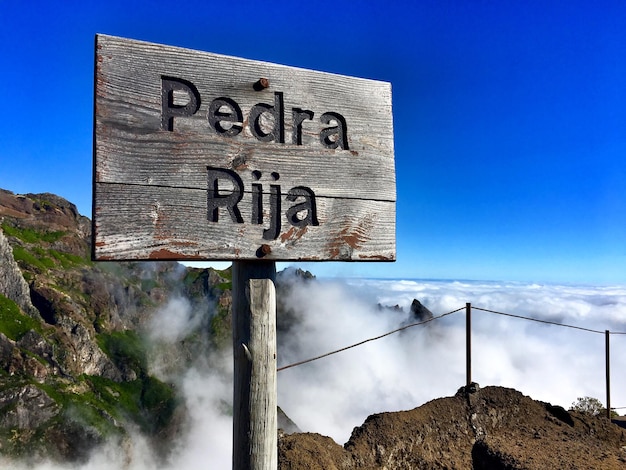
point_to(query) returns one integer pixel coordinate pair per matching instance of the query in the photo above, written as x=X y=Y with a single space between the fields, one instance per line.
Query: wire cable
x=538 y=320
x=368 y=340
x=547 y=322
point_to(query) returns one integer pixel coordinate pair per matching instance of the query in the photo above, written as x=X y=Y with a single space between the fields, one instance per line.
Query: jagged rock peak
x=420 y=312
x=291 y=274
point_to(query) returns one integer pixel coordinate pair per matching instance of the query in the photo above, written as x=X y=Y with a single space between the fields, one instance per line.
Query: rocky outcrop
x=312 y=451
x=44 y=210
x=18 y=360
x=12 y=283
x=286 y=315
x=89 y=359
x=493 y=428
x=285 y=424
x=419 y=312
x=26 y=407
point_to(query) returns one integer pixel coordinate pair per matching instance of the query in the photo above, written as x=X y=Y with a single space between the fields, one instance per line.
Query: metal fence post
x=607 y=335
x=468 y=342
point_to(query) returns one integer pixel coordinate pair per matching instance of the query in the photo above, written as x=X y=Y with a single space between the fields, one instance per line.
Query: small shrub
x=147 y=401
x=588 y=405
x=220 y=328
x=158 y=400
x=84 y=407
x=148 y=284
x=117 y=397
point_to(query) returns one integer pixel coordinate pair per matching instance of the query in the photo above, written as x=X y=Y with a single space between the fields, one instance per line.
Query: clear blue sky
x=509 y=117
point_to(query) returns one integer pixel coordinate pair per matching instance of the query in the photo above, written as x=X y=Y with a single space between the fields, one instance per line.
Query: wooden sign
x=208 y=157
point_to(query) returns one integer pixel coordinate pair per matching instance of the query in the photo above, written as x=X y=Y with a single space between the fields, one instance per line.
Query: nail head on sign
x=263 y=250
x=261 y=84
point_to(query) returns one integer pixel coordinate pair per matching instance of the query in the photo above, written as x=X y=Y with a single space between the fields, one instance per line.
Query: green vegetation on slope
x=33 y=252
x=13 y=323
x=146 y=400
x=40 y=263
x=30 y=235
x=125 y=349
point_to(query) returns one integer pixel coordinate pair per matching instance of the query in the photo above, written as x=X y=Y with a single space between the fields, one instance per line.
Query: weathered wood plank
x=148 y=222
x=129 y=75
x=171 y=120
x=167 y=163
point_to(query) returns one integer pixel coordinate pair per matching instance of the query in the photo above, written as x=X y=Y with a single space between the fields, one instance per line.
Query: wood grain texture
x=255 y=420
x=263 y=387
x=150 y=183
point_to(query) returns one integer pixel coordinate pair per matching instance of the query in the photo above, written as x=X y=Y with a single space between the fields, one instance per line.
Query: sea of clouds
x=401 y=371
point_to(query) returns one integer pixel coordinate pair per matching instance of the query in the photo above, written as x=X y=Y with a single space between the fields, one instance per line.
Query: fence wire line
x=548 y=322
x=368 y=340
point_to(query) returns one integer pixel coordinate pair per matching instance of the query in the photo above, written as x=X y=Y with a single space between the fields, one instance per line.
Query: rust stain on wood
x=349 y=239
x=293 y=234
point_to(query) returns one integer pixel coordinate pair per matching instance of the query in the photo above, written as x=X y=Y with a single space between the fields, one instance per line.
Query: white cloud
x=173 y=321
x=208 y=441
x=401 y=371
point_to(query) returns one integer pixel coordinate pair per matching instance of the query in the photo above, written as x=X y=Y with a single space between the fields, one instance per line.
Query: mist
x=334 y=394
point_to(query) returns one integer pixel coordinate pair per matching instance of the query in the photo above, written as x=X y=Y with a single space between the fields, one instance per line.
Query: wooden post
x=254 y=352
x=468 y=342
x=608 y=373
